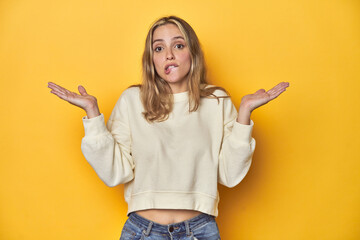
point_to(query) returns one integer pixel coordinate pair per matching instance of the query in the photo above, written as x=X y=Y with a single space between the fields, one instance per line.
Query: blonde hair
x=155 y=93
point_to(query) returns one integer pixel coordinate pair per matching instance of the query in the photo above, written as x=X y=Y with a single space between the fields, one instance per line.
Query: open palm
x=82 y=100
x=261 y=97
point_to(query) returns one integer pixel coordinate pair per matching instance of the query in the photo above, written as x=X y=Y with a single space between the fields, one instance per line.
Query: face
x=171 y=56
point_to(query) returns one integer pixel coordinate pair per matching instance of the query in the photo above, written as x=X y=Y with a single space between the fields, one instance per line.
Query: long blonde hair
x=155 y=93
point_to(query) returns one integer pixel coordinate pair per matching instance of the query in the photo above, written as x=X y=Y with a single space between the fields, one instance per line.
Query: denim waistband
x=173 y=228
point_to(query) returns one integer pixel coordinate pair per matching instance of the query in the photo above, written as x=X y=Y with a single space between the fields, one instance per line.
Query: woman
x=171 y=139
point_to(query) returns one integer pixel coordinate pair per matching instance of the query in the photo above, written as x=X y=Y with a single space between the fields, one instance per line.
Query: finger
x=279 y=87
x=59 y=94
x=59 y=91
x=82 y=90
x=58 y=87
x=282 y=85
x=62 y=92
x=260 y=91
x=275 y=93
x=53 y=85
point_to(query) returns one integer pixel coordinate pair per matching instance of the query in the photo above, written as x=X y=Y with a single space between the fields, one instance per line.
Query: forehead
x=167 y=31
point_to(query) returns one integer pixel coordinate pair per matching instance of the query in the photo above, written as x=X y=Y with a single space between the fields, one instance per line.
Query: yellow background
x=304 y=182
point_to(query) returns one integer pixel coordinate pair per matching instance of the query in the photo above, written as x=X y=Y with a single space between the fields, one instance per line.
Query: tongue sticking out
x=168 y=69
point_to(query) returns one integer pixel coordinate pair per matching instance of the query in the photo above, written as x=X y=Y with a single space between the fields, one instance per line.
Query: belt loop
x=147 y=232
x=187 y=227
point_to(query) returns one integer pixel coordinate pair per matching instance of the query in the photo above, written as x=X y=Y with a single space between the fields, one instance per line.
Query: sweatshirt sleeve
x=108 y=149
x=237 y=147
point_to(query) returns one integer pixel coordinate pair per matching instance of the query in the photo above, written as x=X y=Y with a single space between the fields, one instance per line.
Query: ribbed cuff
x=94 y=126
x=242 y=132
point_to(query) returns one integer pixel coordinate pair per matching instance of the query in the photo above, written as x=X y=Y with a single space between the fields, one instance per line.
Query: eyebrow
x=174 y=38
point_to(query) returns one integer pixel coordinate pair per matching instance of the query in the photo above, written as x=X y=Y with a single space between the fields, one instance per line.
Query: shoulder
x=216 y=90
x=131 y=93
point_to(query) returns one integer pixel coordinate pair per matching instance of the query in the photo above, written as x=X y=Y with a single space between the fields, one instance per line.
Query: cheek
x=187 y=59
x=184 y=57
x=156 y=63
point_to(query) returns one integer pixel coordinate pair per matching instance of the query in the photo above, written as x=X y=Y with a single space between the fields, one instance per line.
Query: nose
x=169 y=54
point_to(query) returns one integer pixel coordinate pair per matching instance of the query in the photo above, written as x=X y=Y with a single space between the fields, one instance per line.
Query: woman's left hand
x=261 y=97
x=252 y=101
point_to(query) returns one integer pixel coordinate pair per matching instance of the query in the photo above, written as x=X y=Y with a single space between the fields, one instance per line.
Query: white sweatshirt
x=175 y=164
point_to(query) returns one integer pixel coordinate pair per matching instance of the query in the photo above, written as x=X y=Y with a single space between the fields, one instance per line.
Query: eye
x=158 y=49
x=180 y=46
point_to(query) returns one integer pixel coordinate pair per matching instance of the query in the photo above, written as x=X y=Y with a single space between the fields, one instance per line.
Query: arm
x=238 y=146
x=106 y=150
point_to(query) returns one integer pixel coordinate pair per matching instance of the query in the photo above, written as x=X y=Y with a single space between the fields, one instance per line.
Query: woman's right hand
x=84 y=100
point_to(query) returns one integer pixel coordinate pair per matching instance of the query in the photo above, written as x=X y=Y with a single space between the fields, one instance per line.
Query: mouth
x=169 y=67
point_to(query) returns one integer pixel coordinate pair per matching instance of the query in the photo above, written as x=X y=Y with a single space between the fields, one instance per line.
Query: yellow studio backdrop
x=304 y=182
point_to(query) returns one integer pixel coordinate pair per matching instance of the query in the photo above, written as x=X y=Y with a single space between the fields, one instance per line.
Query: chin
x=172 y=80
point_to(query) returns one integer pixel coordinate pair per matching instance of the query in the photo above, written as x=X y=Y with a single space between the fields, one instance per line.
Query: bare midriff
x=168 y=216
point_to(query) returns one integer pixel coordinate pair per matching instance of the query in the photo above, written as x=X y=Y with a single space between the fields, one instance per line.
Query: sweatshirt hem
x=173 y=200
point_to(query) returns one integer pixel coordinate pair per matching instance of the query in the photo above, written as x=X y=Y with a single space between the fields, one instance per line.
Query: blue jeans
x=200 y=227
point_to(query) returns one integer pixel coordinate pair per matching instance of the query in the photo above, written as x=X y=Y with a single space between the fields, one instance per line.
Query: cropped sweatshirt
x=174 y=164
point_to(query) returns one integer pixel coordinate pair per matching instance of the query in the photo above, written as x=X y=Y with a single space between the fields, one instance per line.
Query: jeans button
x=171 y=229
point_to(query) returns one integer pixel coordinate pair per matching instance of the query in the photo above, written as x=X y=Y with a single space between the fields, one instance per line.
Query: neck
x=179 y=88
